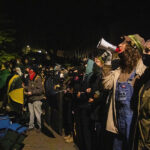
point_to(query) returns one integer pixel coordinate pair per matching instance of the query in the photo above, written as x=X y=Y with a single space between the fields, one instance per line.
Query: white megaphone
x=102 y=44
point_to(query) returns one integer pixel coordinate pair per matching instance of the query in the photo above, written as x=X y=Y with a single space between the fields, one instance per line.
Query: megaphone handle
x=109 y=52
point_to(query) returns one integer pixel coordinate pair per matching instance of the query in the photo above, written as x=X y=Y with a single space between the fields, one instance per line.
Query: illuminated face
x=146 y=51
x=27 y=69
x=98 y=62
x=147 y=47
x=122 y=46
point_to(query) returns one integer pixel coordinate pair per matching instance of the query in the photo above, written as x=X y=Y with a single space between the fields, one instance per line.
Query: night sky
x=68 y=25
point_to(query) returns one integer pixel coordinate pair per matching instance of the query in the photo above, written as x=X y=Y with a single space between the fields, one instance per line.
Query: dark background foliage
x=71 y=24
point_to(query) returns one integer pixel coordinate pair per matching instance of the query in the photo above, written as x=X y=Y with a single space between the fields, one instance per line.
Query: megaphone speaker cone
x=103 y=44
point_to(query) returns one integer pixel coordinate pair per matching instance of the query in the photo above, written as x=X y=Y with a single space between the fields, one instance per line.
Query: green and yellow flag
x=15 y=90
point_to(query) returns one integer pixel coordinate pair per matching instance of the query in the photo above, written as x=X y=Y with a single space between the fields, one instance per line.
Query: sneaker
x=29 y=130
x=69 y=140
x=67 y=137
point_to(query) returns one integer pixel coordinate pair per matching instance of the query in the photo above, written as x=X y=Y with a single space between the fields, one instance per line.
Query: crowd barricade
x=54 y=112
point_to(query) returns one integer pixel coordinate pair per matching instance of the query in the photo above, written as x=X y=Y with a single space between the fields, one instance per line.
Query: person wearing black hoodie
x=88 y=99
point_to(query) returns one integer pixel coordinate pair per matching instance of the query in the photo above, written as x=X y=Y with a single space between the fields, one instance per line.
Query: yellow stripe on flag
x=17 y=95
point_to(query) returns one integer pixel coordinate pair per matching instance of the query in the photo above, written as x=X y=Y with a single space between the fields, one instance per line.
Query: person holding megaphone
x=122 y=81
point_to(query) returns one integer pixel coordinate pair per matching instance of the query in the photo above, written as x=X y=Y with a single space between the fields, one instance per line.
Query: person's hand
x=78 y=94
x=29 y=93
x=88 y=90
x=65 y=91
x=23 y=85
x=96 y=96
x=90 y=100
x=44 y=98
x=24 y=109
x=25 y=93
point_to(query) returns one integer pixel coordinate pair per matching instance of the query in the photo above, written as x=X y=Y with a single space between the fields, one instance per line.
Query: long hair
x=129 y=58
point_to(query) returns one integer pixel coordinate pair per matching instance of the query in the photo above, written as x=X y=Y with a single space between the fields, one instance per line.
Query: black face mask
x=146 y=60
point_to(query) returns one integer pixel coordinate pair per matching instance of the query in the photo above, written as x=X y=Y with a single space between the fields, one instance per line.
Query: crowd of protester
x=106 y=102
